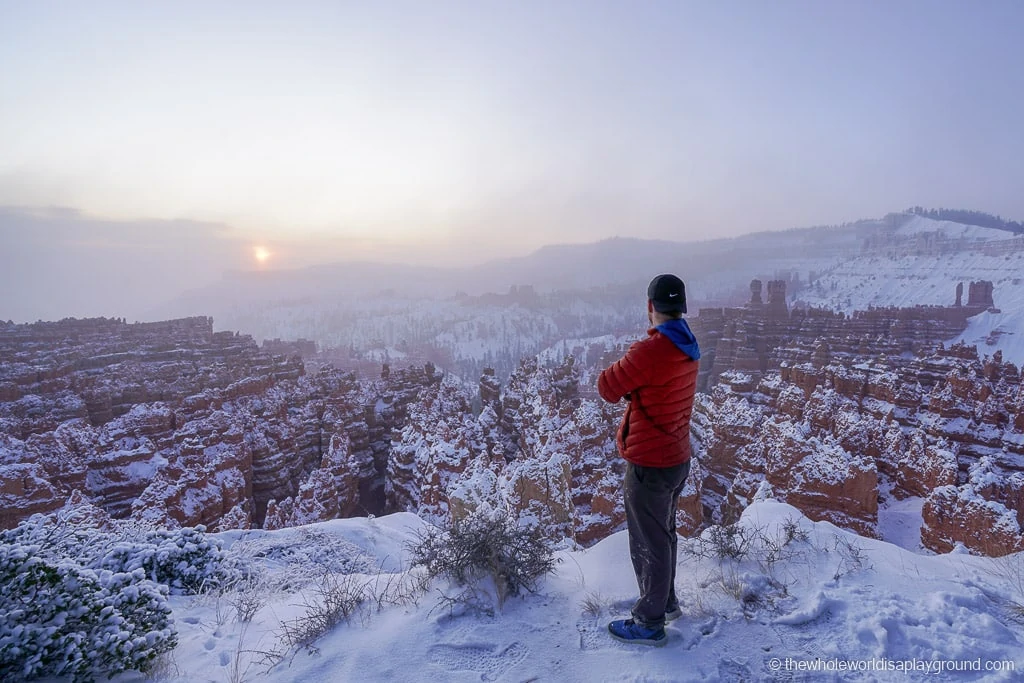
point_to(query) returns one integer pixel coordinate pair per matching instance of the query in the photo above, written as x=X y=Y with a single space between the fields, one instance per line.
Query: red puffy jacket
x=660 y=381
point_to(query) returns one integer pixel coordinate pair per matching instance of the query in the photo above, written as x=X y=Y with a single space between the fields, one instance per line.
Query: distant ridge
x=719 y=265
x=969 y=217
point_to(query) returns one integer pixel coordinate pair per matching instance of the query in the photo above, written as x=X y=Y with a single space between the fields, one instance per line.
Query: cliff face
x=945 y=427
x=178 y=425
x=759 y=337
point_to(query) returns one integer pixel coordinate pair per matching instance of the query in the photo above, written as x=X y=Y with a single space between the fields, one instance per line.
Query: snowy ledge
x=801 y=591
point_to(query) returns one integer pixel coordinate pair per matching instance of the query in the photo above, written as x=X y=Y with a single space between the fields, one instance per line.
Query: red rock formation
x=24 y=491
x=329 y=492
x=176 y=424
x=921 y=421
x=238 y=517
x=435 y=447
x=538 y=490
x=201 y=483
x=821 y=478
x=537 y=449
x=596 y=471
x=916 y=466
x=690 y=513
x=727 y=426
x=959 y=515
x=757 y=338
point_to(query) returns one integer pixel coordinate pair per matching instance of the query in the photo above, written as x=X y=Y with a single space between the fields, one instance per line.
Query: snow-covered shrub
x=1010 y=570
x=186 y=560
x=83 y=601
x=852 y=558
x=62 y=535
x=486 y=544
x=58 y=618
x=247 y=597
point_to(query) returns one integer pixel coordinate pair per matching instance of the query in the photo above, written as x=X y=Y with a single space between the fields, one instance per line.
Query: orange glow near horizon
x=261 y=254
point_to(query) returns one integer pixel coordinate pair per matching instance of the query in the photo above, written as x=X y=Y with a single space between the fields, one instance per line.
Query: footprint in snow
x=732 y=671
x=487 y=660
x=688 y=639
x=593 y=634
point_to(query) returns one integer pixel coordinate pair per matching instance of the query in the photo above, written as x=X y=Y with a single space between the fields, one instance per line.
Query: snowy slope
x=1003 y=331
x=829 y=599
x=917 y=225
x=907 y=279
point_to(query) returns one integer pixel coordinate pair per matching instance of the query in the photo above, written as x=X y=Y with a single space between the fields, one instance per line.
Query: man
x=658 y=376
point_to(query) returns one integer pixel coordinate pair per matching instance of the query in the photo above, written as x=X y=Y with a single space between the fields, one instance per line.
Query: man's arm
x=624 y=375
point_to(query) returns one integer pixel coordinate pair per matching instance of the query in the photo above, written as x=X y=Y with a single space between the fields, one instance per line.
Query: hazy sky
x=500 y=126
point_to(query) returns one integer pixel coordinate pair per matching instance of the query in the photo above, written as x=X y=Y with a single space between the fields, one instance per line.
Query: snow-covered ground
x=917 y=225
x=825 y=606
x=1003 y=331
x=900 y=521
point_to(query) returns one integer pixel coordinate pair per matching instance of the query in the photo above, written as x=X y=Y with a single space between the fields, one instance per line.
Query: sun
x=261 y=254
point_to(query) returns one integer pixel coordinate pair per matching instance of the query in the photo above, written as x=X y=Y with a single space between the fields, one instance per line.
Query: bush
x=486 y=545
x=337 y=598
x=58 y=618
x=185 y=560
x=726 y=541
x=83 y=602
x=1010 y=569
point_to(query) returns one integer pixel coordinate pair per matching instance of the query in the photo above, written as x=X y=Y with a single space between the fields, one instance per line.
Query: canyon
x=173 y=424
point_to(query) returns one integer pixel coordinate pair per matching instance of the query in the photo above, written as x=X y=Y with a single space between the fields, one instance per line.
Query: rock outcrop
x=536 y=448
x=943 y=427
x=175 y=424
x=329 y=492
x=760 y=337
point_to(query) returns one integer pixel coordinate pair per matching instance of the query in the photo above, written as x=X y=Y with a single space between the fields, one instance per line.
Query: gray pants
x=652 y=495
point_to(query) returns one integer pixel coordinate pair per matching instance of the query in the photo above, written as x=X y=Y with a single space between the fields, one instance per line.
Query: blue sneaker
x=628 y=631
x=673 y=614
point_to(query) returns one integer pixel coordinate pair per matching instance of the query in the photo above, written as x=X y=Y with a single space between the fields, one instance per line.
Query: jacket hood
x=679 y=332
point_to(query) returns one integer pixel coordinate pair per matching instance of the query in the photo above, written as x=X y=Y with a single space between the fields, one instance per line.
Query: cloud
x=56 y=262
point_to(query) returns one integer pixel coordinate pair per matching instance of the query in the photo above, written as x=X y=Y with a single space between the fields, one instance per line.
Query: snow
x=1003 y=331
x=144 y=470
x=919 y=224
x=900 y=522
x=909 y=279
x=834 y=597
x=835 y=600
